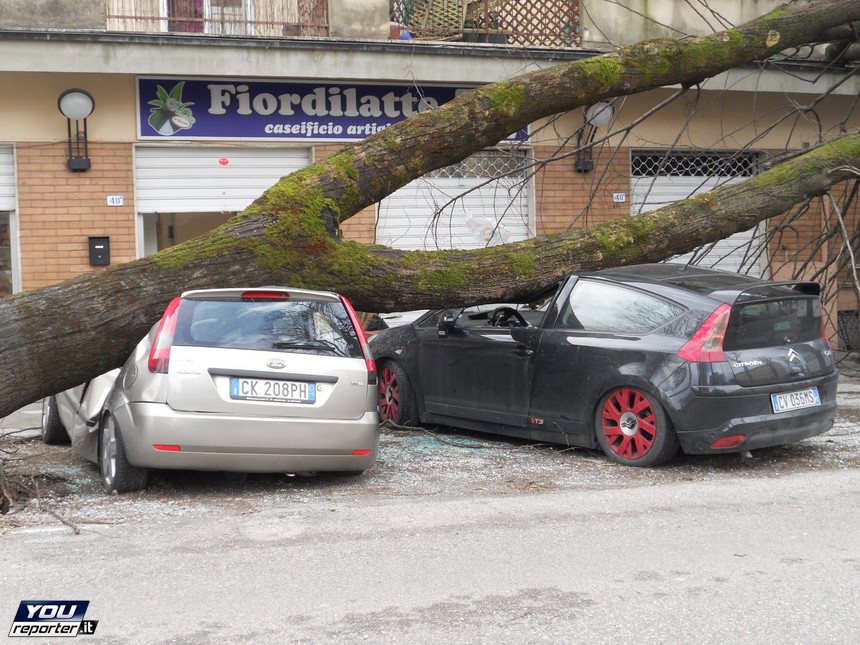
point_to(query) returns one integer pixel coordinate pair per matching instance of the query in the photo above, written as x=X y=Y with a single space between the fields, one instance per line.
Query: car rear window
x=773 y=322
x=294 y=325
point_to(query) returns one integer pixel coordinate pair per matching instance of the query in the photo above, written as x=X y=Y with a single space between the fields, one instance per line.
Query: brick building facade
x=48 y=213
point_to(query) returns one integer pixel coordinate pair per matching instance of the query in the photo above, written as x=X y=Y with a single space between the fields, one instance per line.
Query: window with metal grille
x=490 y=164
x=693 y=164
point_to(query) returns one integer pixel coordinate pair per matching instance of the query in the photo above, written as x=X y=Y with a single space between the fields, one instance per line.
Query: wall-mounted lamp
x=77 y=105
x=596 y=116
x=599 y=114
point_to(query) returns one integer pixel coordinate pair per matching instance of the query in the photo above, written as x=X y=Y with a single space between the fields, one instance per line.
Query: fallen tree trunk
x=122 y=303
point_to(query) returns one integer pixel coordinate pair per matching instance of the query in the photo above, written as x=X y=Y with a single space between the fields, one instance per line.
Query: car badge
x=276 y=364
x=793 y=355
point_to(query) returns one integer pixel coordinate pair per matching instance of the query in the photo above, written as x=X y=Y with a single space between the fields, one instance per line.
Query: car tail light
x=166 y=447
x=732 y=441
x=265 y=295
x=159 y=355
x=362 y=339
x=706 y=345
x=361 y=453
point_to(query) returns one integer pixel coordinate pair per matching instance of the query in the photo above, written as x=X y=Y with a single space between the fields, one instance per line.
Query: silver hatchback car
x=241 y=380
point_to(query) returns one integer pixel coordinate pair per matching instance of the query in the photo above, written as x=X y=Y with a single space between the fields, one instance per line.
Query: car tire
x=396 y=396
x=118 y=476
x=633 y=429
x=53 y=432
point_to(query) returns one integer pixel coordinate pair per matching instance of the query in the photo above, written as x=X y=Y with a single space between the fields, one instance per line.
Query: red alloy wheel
x=389 y=395
x=629 y=424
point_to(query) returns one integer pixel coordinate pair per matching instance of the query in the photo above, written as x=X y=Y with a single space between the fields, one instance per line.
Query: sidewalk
x=25 y=422
x=849 y=385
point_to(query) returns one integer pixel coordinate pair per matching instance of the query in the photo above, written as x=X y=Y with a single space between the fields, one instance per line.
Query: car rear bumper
x=245 y=444
x=762 y=431
x=705 y=415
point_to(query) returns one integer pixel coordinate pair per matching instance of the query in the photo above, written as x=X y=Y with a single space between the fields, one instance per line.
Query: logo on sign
x=170 y=113
x=41 y=618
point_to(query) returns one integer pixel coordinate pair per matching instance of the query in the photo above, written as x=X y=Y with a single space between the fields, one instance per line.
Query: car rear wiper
x=314 y=344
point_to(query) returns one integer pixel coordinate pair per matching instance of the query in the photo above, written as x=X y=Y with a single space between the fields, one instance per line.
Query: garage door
x=204 y=179
x=7 y=178
x=660 y=179
x=481 y=201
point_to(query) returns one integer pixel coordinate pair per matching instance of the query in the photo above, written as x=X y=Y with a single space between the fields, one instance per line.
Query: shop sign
x=277 y=110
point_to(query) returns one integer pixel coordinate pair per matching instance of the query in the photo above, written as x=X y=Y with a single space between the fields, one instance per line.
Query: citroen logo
x=796 y=365
x=276 y=364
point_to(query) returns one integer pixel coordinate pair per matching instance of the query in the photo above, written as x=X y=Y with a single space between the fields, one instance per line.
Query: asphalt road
x=715 y=562
x=459 y=539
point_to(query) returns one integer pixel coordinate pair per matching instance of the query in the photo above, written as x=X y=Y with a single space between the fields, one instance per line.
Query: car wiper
x=315 y=345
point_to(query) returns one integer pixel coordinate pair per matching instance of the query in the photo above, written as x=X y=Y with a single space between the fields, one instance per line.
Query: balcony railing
x=258 y=18
x=530 y=23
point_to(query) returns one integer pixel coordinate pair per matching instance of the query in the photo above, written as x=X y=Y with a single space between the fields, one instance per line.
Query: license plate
x=256 y=389
x=795 y=400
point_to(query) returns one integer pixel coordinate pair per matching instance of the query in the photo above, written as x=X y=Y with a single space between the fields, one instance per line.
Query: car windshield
x=501 y=314
x=294 y=325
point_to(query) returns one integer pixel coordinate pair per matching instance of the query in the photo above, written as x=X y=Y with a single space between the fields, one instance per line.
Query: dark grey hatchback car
x=640 y=360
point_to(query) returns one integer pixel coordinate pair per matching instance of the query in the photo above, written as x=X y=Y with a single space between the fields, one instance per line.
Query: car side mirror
x=446 y=324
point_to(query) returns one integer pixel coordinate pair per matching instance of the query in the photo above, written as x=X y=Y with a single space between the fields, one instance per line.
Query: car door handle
x=522 y=350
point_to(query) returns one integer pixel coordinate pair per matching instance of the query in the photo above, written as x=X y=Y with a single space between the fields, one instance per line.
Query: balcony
x=528 y=23
x=256 y=18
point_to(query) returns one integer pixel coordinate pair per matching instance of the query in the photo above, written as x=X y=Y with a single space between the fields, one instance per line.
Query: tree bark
x=62 y=335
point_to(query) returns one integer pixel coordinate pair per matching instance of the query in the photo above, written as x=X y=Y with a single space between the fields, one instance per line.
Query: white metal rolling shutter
x=193 y=180
x=471 y=212
x=7 y=178
x=660 y=180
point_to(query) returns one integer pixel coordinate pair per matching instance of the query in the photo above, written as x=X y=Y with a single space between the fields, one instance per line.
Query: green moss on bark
x=443 y=279
x=606 y=70
x=212 y=245
x=506 y=97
